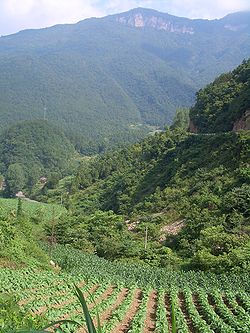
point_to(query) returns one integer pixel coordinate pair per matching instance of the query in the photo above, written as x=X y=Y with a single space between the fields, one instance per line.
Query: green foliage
x=18 y=245
x=197 y=181
x=20 y=231
x=80 y=264
x=223 y=102
x=177 y=291
x=15 y=179
x=90 y=325
x=181 y=119
x=106 y=234
x=13 y=318
x=31 y=149
x=67 y=74
x=19 y=211
x=36 y=211
x=72 y=323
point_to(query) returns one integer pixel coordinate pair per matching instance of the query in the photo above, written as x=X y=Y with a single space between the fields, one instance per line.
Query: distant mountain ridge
x=107 y=80
x=148 y=18
x=141 y=18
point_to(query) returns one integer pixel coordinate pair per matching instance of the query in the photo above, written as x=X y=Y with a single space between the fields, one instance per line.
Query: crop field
x=129 y=309
x=31 y=208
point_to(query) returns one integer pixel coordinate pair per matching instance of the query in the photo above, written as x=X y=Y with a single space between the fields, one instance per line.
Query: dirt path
x=199 y=309
x=228 y=304
x=30 y=200
x=124 y=325
x=197 y=305
x=61 y=304
x=242 y=304
x=182 y=305
x=168 y=310
x=107 y=293
x=104 y=316
x=150 y=322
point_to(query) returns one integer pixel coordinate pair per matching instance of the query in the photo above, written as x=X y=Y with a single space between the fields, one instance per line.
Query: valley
x=125 y=176
x=68 y=75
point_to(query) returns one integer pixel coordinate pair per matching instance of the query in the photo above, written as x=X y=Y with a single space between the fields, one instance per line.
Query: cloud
x=16 y=15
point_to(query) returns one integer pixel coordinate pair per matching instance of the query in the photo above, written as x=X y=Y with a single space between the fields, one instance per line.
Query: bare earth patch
x=150 y=321
x=124 y=325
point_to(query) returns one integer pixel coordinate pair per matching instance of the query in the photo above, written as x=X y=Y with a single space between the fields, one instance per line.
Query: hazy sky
x=17 y=15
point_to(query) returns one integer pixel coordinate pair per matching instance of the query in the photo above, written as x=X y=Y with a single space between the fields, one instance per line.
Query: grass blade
x=99 y=329
x=89 y=321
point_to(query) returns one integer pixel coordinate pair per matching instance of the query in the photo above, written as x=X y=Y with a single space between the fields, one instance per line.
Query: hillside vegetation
x=31 y=149
x=141 y=299
x=201 y=181
x=104 y=81
x=224 y=102
x=176 y=199
x=156 y=235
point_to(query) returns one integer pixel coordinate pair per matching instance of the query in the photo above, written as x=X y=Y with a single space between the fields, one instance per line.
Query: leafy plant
x=89 y=322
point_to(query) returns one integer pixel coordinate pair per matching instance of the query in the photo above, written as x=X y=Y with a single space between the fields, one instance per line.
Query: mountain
x=187 y=194
x=112 y=77
x=224 y=105
x=190 y=192
x=148 y=18
x=30 y=150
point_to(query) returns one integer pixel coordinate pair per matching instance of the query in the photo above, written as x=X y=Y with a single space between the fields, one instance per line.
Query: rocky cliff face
x=236 y=28
x=143 y=18
x=192 y=128
x=140 y=20
x=243 y=123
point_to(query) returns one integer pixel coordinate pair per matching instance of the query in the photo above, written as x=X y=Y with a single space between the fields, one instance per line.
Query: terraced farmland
x=32 y=208
x=129 y=309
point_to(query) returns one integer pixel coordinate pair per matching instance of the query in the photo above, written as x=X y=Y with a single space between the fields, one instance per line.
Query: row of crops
x=32 y=208
x=89 y=266
x=134 y=309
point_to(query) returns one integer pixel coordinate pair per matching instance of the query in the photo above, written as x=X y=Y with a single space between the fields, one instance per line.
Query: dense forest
x=175 y=199
x=122 y=193
x=68 y=74
x=30 y=150
x=190 y=192
x=223 y=102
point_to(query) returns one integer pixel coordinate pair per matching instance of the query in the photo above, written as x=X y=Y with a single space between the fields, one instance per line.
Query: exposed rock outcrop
x=235 y=27
x=138 y=20
x=243 y=123
x=192 y=127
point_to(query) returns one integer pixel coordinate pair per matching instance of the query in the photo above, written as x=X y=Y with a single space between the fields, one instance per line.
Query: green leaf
x=89 y=321
x=174 y=329
x=50 y=325
x=30 y=331
x=61 y=322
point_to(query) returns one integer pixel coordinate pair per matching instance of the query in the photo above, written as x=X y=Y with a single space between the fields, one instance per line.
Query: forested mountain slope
x=224 y=105
x=192 y=190
x=186 y=195
x=31 y=149
x=102 y=78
